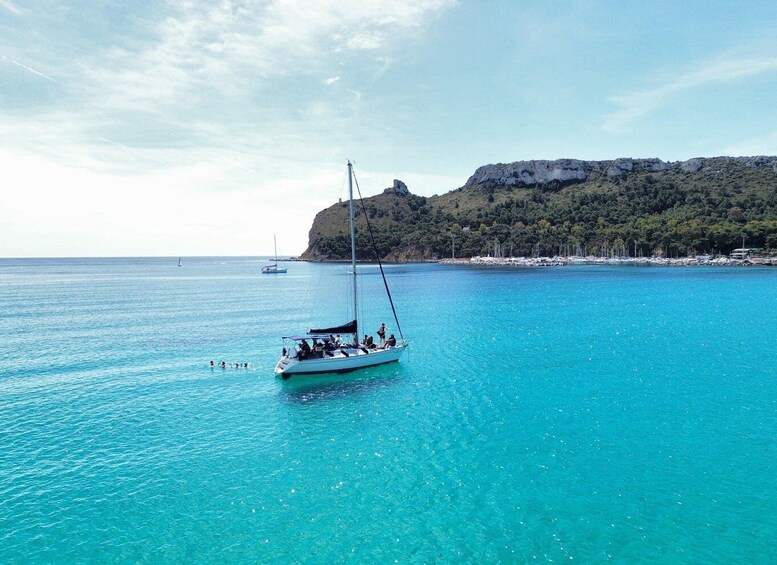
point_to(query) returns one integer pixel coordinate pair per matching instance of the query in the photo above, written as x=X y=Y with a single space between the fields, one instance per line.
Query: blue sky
x=203 y=127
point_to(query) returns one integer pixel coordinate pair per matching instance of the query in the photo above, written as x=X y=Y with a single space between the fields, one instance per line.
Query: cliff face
x=699 y=205
x=563 y=172
x=329 y=236
x=398 y=188
x=718 y=164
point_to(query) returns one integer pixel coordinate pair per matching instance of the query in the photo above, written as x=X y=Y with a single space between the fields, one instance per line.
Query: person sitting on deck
x=304 y=349
x=318 y=348
x=370 y=343
x=391 y=341
x=365 y=341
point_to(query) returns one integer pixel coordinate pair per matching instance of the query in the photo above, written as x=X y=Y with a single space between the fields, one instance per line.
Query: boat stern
x=285 y=364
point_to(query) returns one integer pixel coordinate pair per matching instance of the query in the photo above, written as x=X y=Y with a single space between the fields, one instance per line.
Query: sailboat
x=329 y=354
x=179 y=262
x=273 y=269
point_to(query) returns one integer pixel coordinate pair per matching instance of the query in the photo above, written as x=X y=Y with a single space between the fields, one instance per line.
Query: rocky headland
x=627 y=207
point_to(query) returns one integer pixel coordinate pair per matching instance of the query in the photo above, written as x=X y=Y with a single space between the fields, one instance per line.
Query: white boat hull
x=356 y=359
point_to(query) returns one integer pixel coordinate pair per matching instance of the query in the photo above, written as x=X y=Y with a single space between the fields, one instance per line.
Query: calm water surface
x=577 y=413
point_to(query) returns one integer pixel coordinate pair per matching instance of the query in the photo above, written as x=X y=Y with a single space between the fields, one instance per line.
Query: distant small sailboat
x=179 y=262
x=273 y=269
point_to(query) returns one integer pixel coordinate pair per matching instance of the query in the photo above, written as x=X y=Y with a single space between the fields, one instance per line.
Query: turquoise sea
x=586 y=414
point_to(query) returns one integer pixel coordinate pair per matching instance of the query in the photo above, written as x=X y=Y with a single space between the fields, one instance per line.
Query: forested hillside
x=627 y=207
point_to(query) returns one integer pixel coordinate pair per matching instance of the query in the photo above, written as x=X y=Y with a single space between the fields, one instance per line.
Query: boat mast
x=353 y=248
x=275 y=245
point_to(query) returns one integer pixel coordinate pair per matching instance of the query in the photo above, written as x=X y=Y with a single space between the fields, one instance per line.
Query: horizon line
x=269 y=255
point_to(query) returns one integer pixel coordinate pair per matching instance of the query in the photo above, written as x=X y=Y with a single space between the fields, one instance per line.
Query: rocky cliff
x=563 y=172
x=399 y=188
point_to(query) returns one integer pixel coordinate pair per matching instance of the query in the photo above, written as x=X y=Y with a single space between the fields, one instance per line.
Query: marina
x=559 y=261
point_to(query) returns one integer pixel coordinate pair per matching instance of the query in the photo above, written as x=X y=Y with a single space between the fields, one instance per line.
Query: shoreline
x=590 y=260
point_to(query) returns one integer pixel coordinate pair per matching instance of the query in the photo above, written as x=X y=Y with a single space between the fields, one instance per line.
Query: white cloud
x=10 y=6
x=207 y=45
x=636 y=105
x=366 y=40
x=214 y=74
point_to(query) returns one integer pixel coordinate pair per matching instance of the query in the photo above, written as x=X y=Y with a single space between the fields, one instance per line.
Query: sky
x=203 y=127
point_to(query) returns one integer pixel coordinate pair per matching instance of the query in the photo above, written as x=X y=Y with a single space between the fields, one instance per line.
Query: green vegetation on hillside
x=671 y=213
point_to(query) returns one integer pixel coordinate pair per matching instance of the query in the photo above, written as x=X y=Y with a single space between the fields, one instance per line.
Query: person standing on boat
x=304 y=349
x=382 y=335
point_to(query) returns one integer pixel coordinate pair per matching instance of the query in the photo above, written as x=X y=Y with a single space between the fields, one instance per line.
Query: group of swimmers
x=225 y=365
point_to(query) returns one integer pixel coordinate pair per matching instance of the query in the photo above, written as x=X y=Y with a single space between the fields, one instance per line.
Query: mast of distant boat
x=275 y=246
x=353 y=248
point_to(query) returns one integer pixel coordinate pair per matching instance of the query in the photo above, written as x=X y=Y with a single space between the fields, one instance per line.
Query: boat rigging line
x=377 y=256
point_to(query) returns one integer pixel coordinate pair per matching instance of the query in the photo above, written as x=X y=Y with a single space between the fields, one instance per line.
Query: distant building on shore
x=741 y=254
